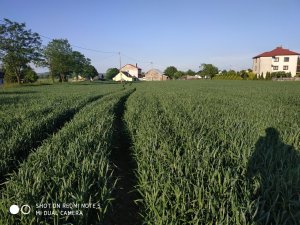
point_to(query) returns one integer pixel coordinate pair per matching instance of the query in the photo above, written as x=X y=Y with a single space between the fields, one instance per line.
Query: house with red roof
x=133 y=70
x=279 y=59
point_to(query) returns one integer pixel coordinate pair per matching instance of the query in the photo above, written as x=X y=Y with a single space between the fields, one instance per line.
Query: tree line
x=19 y=47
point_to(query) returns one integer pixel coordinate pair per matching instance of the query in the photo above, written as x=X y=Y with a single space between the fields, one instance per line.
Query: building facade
x=279 y=59
x=134 y=71
x=155 y=75
x=123 y=76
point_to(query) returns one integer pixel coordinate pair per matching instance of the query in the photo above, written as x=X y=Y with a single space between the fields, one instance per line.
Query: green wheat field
x=200 y=152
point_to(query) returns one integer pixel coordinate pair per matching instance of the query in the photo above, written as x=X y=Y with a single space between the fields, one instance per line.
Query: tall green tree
x=110 y=73
x=18 y=47
x=170 y=72
x=30 y=76
x=178 y=74
x=243 y=74
x=190 y=72
x=58 y=55
x=209 y=70
x=78 y=62
x=90 y=71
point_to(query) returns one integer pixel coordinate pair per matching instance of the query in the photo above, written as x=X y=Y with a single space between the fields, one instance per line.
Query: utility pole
x=120 y=60
x=120 y=67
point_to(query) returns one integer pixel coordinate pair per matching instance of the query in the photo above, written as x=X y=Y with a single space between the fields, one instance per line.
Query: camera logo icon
x=15 y=209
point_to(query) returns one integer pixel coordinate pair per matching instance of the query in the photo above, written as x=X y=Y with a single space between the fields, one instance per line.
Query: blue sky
x=226 y=33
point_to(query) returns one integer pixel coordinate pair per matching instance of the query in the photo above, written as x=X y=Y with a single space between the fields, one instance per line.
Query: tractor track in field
x=57 y=124
x=124 y=210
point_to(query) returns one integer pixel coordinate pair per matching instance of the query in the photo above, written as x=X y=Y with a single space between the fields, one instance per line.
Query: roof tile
x=276 y=52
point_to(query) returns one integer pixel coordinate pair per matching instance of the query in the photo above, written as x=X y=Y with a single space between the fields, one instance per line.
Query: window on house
x=285 y=67
x=275 y=67
x=286 y=59
x=276 y=59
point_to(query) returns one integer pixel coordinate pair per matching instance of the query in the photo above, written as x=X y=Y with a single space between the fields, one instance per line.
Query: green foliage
x=170 y=72
x=190 y=72
x=74 y=162
x=178 y=74
x=27 y=75
x=110 y=73
x=209 y=70
x=90 y=71
x=281 y=74
x=30 y=76
x=231 y=73
x=252 y=76
x=58 y=55
x=9 y=76
x=228 y=75
x=268 y=76
x=18 y=47
x=205 y=152
x=211 y=153
x=243 y=74
x=78 y=62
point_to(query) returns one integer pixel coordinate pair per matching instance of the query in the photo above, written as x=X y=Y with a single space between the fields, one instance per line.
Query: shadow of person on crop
x=274 y=178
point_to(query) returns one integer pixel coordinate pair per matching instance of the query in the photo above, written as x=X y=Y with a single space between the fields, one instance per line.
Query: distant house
x=1 y=77
x=188 y=77
x=78 y=78
x=279 y=59
x=124 y=76
x=134 y=71
x=155 y=75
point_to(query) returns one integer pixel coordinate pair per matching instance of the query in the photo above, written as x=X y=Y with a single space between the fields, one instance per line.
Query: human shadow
x=274 y=175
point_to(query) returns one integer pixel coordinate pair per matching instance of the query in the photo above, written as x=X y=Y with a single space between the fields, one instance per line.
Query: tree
x=110 y=73
x=78 y=61
x=190 y=73
x=224 y=72
x=231 y=73
x=209 y=69
x=178 y=74
x=90 y=71
x=18 y=47
x=30 y=75
x=268 y=76
x=251 y=76
x=243 y=74
x=170 y=72
x=58 y=55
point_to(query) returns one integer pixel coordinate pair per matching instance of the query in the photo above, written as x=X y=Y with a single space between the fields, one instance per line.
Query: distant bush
x=30 y=76
x=252 y=76
x=227 y=77
x=280 y=74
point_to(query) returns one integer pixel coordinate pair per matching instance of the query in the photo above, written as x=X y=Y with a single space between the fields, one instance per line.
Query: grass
x=72 y=166
x=206 y=152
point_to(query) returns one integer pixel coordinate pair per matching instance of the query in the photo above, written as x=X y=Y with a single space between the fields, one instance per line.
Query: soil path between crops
x=124 y=209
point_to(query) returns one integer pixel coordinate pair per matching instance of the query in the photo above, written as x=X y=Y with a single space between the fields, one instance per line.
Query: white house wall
x=266 y=64
x=121 y=77
x=133 y=71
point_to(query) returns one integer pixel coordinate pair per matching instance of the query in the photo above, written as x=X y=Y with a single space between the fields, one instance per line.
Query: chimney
x=136 y=65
